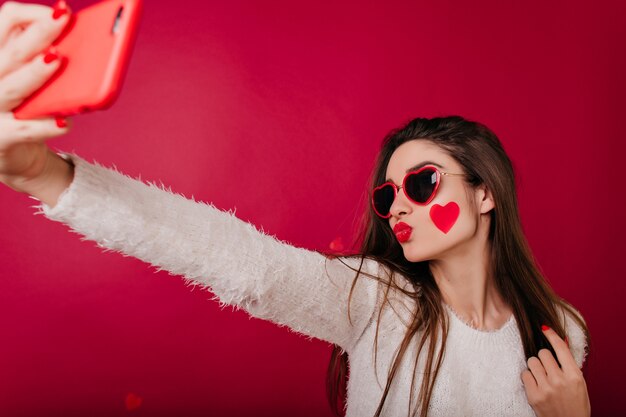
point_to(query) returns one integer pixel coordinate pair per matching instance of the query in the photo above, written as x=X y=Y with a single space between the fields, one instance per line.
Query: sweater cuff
x=87 y=176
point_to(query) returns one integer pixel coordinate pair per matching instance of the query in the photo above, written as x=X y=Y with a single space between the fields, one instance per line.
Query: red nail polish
x=61 y=122
x=50 y=56
x=60 y=8
x=544 y=327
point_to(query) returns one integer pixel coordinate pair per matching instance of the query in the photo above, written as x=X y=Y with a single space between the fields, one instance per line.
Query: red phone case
x=96 y=47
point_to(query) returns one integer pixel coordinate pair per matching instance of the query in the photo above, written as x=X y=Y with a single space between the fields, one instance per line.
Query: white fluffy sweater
x=301 y=289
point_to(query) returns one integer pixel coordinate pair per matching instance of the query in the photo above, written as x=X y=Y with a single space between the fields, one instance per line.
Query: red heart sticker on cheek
x=444 y=217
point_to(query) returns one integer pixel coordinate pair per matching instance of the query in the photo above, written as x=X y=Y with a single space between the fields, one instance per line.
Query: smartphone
x=96 y=46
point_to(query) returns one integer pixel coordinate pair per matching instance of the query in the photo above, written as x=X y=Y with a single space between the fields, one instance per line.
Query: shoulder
x=576 y=331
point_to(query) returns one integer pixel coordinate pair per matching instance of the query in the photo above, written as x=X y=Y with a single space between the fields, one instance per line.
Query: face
x=452 y=220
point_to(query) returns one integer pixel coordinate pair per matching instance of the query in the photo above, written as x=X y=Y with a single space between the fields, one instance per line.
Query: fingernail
x=61 y=122
x=50 y=55
x=544 y=328
x=60 y=8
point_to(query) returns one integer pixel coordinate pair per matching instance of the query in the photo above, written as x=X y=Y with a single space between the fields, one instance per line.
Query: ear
x=484 y=199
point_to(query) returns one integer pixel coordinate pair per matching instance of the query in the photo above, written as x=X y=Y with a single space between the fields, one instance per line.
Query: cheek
x=444 y=217
x=448 y=225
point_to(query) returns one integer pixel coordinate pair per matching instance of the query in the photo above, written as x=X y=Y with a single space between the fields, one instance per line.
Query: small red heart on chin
x=444 y=217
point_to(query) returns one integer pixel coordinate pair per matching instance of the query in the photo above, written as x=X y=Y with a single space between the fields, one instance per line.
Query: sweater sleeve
x=242 y=266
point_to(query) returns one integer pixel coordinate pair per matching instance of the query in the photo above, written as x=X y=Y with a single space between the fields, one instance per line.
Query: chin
x=416 y=254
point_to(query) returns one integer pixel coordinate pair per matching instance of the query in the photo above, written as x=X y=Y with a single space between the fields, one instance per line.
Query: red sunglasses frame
x=438 y=173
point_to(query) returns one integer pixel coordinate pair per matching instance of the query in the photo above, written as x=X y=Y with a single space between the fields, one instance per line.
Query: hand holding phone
x=26 y=31
x=95 y=49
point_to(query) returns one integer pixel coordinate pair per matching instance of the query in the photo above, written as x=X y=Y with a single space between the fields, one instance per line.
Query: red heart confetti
x=336 y=245
x=133 y=401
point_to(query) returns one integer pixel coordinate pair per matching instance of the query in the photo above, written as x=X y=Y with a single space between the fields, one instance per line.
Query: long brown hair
x=517 y=277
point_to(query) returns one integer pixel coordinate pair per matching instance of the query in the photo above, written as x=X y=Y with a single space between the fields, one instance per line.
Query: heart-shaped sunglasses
x=419 y=186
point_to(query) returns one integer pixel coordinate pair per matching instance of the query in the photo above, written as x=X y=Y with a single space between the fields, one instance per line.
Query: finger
x=539 y=373
x=15 y=16
x=13 y=33
x=549 y=363
x=563 y=354
x=37 y=36
x=21 y=83
x=530 y=384
x=13 y=131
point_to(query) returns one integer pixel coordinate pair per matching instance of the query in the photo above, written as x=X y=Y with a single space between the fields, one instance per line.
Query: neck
x=467 y=285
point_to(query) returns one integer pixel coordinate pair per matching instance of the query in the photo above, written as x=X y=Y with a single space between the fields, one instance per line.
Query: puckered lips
x=402 y=231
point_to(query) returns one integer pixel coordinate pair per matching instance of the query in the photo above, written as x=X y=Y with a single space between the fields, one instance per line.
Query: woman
x=443 y=313
x=454 y=234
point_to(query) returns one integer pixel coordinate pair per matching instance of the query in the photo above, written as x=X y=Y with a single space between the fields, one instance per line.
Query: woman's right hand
x=26 y=63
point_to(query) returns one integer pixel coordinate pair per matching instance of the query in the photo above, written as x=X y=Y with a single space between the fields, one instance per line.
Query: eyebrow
x=418 y=166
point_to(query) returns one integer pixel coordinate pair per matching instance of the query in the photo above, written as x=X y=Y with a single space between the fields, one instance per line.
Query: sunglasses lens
x=383 y=199
x=421 y=186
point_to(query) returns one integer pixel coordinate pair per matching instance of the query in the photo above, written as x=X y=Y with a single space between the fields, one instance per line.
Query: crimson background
x=277 y=108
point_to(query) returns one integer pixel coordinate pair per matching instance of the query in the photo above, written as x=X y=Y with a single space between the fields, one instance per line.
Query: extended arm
x=244 y=267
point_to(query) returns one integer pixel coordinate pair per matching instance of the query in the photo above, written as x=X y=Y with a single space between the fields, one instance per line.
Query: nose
x=401 y=206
